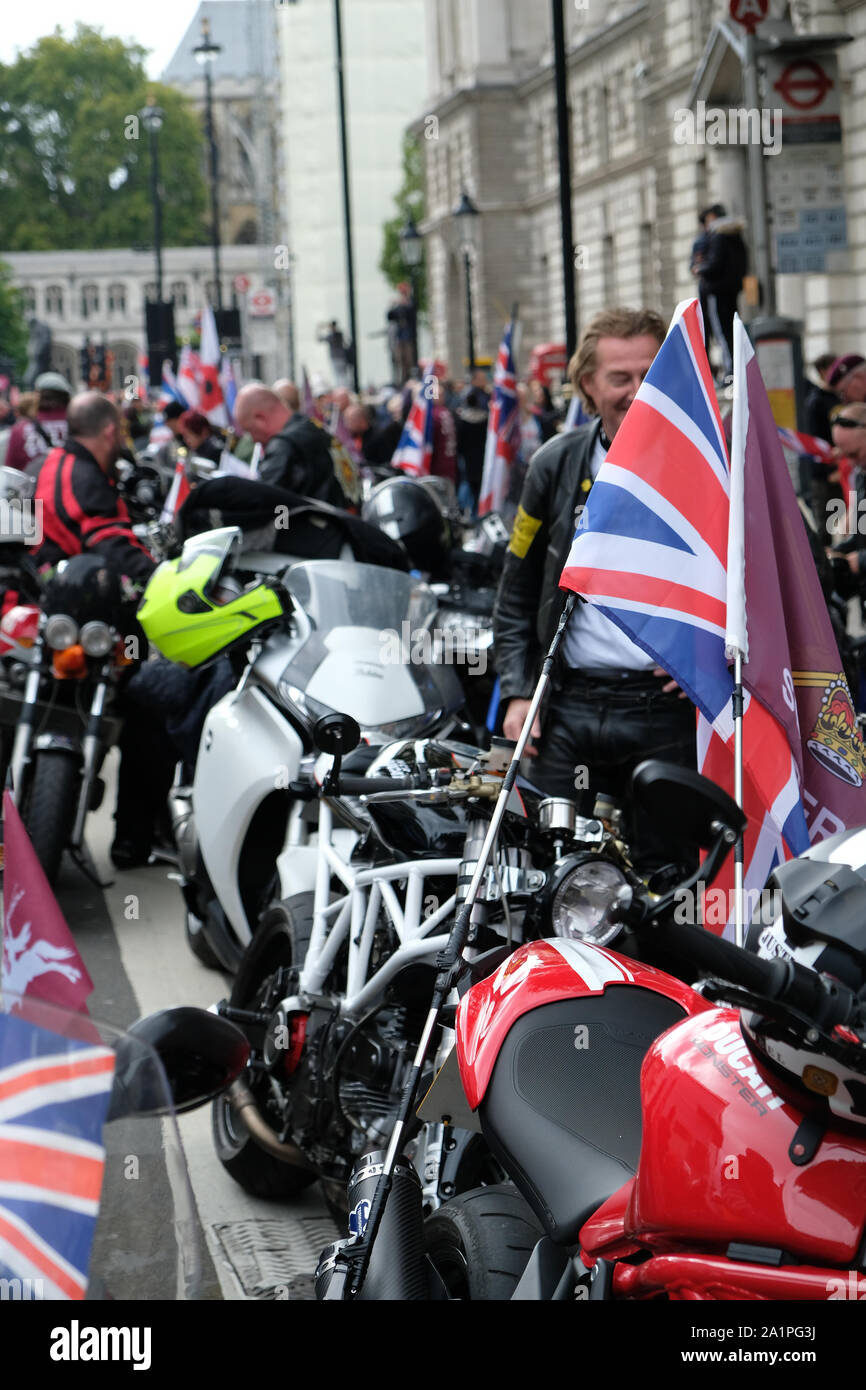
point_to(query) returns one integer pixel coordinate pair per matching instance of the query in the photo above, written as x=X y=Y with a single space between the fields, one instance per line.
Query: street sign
x=749 y=13
x=809 y=219
x=242 y=283
x=807 y=92
x=262 y=304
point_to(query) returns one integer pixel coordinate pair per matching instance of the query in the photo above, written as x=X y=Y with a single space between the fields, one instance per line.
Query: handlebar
x=349 y=785
x=825 y=1001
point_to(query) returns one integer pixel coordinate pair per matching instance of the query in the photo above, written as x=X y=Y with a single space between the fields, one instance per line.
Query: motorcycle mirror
x=337 y=734
x=202 y=1055
x=684 y=804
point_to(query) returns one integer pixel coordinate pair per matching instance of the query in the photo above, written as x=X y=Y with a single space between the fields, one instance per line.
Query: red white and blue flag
x=575 y=415
x=211 y=401
x=503 y=430
x=414 y=452
x=652 y=553
x=170 y=387
x=808 y=444
x=188 y=377
x=54 y=1096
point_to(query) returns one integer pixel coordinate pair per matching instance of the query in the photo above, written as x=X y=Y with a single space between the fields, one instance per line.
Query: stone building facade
x=489 y=125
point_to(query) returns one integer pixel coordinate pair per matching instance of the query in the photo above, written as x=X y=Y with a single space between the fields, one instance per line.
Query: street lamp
x=466 y=221
x=206 y=53
x=152 y=117
x=412 y=249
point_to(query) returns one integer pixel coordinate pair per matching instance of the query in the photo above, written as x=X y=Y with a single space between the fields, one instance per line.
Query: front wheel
x=49 y=809
x=481 y=1241
x=280 y=942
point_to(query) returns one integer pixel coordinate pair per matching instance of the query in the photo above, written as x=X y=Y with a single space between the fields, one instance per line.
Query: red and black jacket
x=81 y=511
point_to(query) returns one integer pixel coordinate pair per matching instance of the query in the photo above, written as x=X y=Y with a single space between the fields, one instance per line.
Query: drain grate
x=276 y=1257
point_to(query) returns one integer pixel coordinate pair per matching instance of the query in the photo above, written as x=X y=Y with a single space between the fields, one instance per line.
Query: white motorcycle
x=339 y=644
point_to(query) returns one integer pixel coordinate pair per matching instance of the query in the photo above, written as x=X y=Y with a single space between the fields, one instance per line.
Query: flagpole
x=739 y=925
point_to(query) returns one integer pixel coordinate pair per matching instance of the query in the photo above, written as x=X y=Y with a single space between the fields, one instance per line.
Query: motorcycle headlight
x=61 y=632
x=582 y=900
x=96 y=638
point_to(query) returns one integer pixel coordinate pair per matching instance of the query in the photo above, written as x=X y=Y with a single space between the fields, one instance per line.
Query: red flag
x=40 y=958
x=177 y=494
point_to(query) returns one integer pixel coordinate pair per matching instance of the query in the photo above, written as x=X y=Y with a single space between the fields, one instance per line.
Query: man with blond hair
x=297 y=450
x=611 y=706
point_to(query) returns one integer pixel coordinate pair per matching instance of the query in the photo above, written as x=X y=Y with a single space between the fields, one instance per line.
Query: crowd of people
x=610 y=705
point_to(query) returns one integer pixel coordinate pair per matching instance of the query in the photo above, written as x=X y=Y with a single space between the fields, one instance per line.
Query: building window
x=28 y=299
x=117 y=299
x=54 y=301
x=89 y=300
x=178 y=293
x=150 y=291
x=210 y=291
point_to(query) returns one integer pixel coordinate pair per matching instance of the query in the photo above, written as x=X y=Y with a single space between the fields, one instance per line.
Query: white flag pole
x=736 y=634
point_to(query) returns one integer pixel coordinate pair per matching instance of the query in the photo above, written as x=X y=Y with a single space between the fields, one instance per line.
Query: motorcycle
x=333 y=990
x=723 y=1155
x=239 y=821
x=74 y=653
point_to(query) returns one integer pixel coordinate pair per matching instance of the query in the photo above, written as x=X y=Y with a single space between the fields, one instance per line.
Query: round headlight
x=582 y=901
x=96 y=638
x=61 y=632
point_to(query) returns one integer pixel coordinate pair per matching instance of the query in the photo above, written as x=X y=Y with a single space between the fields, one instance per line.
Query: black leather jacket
x=529 y=602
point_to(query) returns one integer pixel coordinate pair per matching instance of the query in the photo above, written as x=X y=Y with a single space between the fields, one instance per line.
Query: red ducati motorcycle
x=668 y=1142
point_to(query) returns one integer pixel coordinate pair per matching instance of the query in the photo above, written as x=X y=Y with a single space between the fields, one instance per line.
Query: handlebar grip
x=814 y=995
x=350 y=785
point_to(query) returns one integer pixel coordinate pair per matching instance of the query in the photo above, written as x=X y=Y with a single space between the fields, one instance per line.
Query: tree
x=410 y=198
x=75 y=158
x=13 y=325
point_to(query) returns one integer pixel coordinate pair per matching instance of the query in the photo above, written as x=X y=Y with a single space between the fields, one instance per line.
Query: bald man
x=297 y=450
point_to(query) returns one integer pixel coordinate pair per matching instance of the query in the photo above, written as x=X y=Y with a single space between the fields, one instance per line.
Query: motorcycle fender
x=544 y=972
x=248 y=750
x=57 y=743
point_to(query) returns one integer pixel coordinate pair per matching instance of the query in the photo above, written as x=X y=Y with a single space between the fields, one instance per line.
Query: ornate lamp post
x=206 y=53
x=466 y=217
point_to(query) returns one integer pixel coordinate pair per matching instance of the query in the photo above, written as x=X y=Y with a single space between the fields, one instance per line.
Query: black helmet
x=86 y=590
x=408 y=513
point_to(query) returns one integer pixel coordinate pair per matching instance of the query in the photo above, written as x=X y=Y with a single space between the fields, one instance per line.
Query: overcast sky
x=156 y=24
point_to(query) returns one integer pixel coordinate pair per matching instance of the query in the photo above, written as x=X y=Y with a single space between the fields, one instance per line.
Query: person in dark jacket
x=297 y=449
x=200 y=437
x=81 y=511
x=611 y=706
x=720 y=258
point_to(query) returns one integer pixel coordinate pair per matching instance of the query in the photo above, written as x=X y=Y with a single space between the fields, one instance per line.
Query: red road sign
x=803 y=84
x=749 y=13
x=242 y=283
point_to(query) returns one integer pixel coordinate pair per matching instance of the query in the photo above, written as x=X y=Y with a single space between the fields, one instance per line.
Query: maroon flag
x=40 y=958
x=794 y=667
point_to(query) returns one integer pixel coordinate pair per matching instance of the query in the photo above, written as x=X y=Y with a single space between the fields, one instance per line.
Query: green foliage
x=70 y=175
x=410 y=198
x=13 y=325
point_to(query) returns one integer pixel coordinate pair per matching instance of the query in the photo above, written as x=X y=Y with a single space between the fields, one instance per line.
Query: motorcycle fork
x=91 y=746
x=24 y=729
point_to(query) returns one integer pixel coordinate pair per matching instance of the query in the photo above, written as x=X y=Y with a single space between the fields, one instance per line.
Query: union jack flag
x=503 y=429
x=54 y=1096
x=576 y=415
x=651 y=551
x=414 y=452
x=808 y=444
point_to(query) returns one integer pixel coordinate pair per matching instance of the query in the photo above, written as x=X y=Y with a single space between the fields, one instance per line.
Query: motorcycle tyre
x=281 y=938
x=49 y=808
x=481 y=1241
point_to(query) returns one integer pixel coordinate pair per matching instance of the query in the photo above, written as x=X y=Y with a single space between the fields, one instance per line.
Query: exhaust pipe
x=244 y=1103
x=398 y=1265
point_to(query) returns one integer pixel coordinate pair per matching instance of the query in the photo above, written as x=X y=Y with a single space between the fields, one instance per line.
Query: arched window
x=28 y=299
x=178 y=293
x=210 y=290
x=247 y=233
x=117 y=299
x=150 y=291
x=54 y=301
x=89 y=300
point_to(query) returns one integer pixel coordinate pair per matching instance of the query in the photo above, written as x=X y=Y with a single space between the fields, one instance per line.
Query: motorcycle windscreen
x=562 y=1110
x=370 y=647
x=95 y=1200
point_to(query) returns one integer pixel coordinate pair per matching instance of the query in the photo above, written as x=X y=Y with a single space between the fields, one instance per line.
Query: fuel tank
x=550 y=1050
x=719 y=1162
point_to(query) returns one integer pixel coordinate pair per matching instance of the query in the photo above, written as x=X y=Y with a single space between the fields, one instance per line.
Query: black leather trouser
x=596 y=731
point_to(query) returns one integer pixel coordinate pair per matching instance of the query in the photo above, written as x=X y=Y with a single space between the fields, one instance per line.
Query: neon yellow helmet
x=192 y=609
